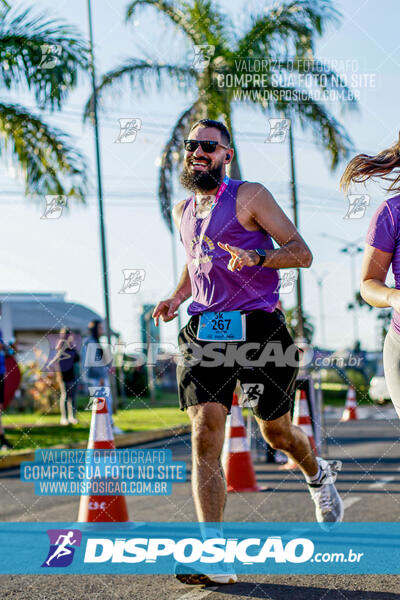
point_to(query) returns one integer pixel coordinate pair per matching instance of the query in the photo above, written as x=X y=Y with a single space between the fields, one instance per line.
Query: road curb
x=121 y=441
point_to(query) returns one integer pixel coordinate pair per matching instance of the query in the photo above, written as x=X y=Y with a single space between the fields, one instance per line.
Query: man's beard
x=201 y=181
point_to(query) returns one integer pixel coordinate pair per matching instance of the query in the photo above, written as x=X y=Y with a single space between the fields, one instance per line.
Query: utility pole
x=95 y=123
x=293 y=190
x=175 y=272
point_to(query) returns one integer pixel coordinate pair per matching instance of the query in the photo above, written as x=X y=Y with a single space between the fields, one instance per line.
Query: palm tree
x=280 y=32
x=45 y=155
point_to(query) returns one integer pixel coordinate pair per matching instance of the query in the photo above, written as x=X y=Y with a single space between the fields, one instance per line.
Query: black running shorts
x=266 y=365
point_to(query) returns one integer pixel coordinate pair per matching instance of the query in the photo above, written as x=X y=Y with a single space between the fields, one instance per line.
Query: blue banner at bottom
x=159 y=548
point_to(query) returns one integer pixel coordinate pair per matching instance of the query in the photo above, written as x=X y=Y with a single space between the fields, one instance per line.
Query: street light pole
x=293 y=189
x=99 y=181
x=175 y=273
x=95 y=123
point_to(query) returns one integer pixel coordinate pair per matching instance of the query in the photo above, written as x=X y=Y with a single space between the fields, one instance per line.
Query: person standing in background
x=5 y=350
x=68 y=376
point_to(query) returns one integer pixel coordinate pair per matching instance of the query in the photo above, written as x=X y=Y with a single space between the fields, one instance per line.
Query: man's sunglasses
x=206 y=145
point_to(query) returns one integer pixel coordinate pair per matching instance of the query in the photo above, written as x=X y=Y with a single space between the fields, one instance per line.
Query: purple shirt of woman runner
x=384 y=234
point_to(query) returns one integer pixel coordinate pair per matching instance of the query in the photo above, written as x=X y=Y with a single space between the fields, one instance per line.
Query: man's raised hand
x=239 y=257
x=166 y=309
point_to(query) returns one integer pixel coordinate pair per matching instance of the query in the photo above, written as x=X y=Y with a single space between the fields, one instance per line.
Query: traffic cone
x=236 y=457
x=102 y=509
x=350 y=408
x=301 y=418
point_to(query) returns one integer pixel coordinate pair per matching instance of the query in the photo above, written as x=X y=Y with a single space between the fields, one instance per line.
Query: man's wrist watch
x=262 y=254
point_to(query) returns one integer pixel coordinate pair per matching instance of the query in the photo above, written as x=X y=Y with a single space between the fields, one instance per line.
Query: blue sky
x=63 y=255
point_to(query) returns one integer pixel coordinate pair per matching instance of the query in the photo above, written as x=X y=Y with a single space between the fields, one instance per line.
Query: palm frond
x=326 y=130
x=311 y=114
x=29 y=43
x=172 y=153
x=174 y=11
x=144 y=73
x=50 y=164
x=211 y=25
x=323 y=77
x=285 y=32
x=201 y=20
x=293 y=25
x=299 y=77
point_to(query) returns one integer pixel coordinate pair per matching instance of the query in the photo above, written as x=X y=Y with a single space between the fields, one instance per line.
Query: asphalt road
x=369 y=484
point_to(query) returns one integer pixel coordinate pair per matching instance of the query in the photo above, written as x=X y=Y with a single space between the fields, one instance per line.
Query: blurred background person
x=67 y=359
x=8 y=368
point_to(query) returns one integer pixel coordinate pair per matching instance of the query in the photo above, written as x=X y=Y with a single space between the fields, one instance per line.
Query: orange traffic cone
x=301 y=418
x=236 y=457
x=350 y=408
x=102 y=509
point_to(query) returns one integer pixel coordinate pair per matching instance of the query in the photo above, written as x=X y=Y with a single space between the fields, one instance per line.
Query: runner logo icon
x=251 y=394
x=61 y=551
x=98 y=396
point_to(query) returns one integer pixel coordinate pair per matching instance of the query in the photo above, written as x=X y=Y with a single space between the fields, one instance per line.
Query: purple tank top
x=214 y=288
x=384 y=234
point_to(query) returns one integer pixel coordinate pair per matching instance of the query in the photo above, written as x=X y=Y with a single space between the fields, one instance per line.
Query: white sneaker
x=117 y=430
x=328 y=504
x=188 y=575
x=73 y=421
x=64 y=421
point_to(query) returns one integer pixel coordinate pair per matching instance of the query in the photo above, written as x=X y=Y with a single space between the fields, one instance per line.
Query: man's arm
x=293 y=251
x=184 y=287
x=263 y=210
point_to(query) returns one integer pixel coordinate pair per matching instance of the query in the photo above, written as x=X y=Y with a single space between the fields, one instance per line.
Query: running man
x=231 y=272
x=62 y=549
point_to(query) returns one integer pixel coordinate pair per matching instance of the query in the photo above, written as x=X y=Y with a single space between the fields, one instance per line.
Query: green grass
x=34 y=438
x=34 y=430
x=334 y=394
x=33 y=418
